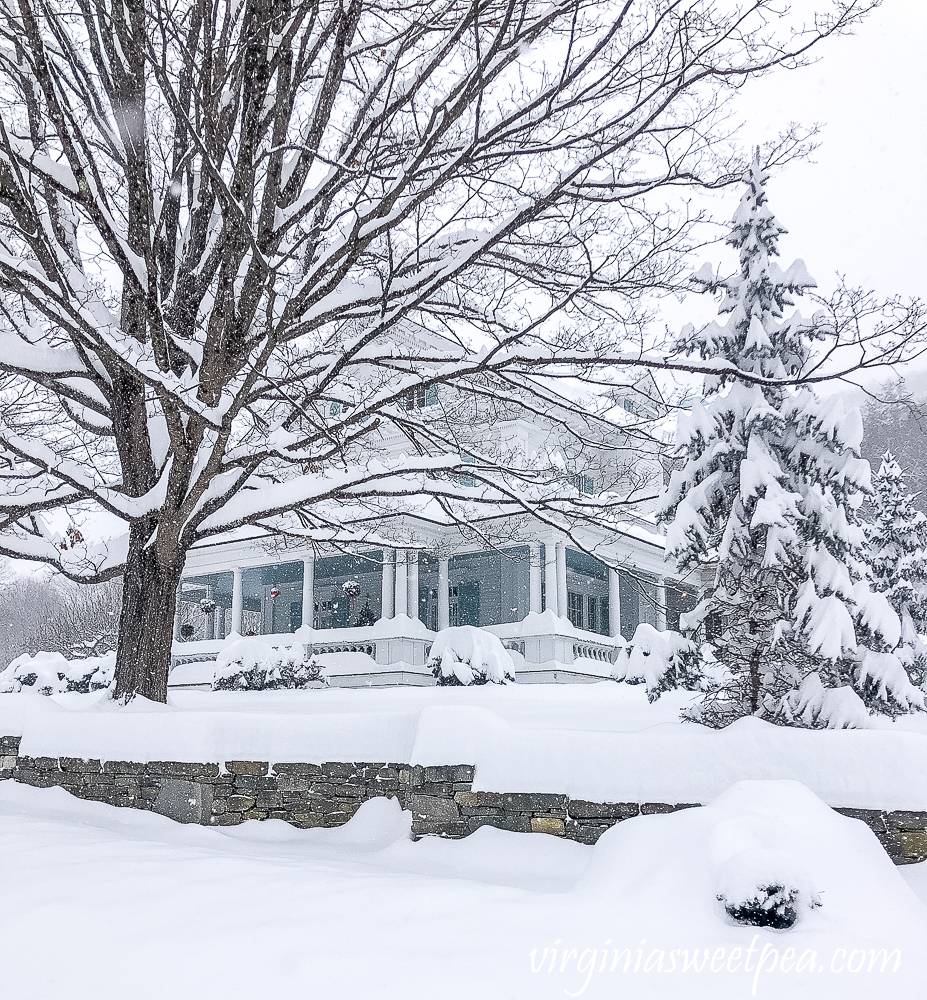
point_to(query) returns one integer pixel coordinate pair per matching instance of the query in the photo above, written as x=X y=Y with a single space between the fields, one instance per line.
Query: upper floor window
x=629 y=405
x=584 y=484
x=420 y=396
x=463 y=479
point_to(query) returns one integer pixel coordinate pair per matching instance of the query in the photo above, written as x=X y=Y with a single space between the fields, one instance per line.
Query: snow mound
x=762 y=850
x=470 y=655
x=51 y=673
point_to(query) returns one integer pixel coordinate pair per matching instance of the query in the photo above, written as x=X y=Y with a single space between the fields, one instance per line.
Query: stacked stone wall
x=441 y=799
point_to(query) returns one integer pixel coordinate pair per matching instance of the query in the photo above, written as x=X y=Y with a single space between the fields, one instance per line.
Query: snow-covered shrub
x=51 y=673
x=251 y=665
x=765 y=888
x=660 y=660
x=818 y=707
x=470 y=655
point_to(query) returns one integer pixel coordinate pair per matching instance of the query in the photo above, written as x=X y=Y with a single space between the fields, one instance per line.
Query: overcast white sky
x=859 y=206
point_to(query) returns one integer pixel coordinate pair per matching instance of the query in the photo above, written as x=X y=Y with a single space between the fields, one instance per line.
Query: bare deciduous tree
x=235 y=236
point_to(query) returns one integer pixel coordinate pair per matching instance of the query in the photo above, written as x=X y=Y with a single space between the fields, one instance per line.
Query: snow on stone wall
x=441 y=797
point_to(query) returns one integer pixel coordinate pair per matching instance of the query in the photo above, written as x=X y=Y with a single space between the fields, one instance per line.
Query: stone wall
x=441 y=799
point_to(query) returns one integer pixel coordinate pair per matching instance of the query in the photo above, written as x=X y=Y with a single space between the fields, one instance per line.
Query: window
x=587 y=592
x=334 y=409
x=488 y=588
x=629 y=406
x=575 y=608
x=584 y=484
x=464 y=480
x=420 y=396
x=680 y=599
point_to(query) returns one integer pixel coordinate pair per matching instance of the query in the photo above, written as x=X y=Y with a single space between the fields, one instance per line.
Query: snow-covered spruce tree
x=765 y=509
x=897 y=539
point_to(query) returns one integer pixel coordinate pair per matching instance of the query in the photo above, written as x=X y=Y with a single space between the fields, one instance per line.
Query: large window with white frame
x=587 y=592
x=489 y=588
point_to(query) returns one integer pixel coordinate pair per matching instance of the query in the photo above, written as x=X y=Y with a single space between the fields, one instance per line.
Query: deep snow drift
x=103 y=903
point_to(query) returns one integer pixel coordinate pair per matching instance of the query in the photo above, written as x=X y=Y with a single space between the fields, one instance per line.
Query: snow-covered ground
x=107 y=903
x=102 y=903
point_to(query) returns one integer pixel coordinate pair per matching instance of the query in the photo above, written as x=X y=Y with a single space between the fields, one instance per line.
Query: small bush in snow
x=251 y=665
x=772 y=906
x=765 y=888
x=51 y=673
x=470 y=655
x=661 y=660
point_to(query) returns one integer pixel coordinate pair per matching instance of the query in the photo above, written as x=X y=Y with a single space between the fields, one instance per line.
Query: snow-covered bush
x=660 y=660
x=765 y=888
x=819 y=707
x=251 y=665
x=51 y=673
x=470 y=655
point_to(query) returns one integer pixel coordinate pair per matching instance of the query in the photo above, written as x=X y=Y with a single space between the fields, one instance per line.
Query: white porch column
x=661 y=605
x=614 y=603
x=561 y=579
x=236 y=599
x=534 y=578
x=402 y=583
x=550 y=578
x=308 y=591
x=388 y=588
x=412 y=574
x=444 y=601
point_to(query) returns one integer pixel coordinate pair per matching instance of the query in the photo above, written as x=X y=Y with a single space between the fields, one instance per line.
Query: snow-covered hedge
x=51 y=673
x=660 y=660
x=251 y=665
x=470 y=655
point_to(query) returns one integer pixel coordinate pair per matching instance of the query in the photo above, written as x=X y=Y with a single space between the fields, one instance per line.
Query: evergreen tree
x=763 y=510
x=897 y=539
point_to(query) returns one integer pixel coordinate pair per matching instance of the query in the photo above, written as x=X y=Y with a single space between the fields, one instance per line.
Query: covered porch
x=371 y=616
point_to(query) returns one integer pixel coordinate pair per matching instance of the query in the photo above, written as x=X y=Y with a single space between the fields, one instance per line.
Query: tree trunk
x=754 y=680
x=146 y=627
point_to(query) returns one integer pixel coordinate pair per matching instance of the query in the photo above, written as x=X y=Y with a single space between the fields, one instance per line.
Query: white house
x=561 y=604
